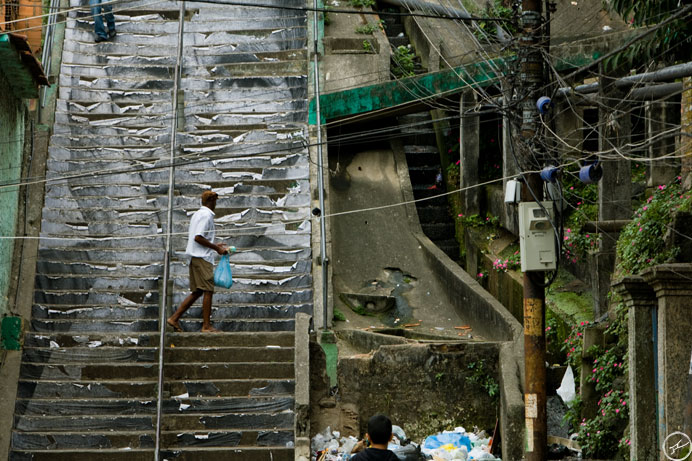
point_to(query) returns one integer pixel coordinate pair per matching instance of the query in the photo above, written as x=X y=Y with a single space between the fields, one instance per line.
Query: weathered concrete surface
x=346 y=63
x=385 y=246
x=672 y=287
x=469 y=145
x=413 y=382
x=641 y=302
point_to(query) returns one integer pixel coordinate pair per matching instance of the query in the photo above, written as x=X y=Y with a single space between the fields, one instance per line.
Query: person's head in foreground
x=379 y=431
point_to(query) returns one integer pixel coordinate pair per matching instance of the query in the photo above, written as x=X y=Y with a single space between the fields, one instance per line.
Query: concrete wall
x=12 y=126
x=416 y=384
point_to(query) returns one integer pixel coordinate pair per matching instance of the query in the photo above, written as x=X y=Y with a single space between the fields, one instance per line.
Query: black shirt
x=375 y=454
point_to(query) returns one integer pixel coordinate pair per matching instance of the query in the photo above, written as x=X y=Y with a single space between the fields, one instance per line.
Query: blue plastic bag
x=223 y=277
x=457 y=439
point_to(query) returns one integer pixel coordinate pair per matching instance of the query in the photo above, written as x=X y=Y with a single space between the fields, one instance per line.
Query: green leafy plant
x=369 y=28
x=664 y=44
x=481 y=377
x=488 y=29
x=362 y=3
x=403 y=62
x=641 y=243
x=476 y=220
x=603 y=436
x=339 y=316
x=367 y=46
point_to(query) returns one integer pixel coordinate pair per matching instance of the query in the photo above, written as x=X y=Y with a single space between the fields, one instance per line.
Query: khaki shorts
x=201 y=275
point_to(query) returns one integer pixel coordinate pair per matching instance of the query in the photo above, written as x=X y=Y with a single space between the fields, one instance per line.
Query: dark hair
x=379 y=429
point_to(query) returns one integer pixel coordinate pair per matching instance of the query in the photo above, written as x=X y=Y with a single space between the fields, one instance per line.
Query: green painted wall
x=12 y=125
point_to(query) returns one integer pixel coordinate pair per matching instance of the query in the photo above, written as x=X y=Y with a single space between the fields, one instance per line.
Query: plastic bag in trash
x=567 y=391
x=456 y=439
x=222 y=275
x=409 y=452
x=399 y=434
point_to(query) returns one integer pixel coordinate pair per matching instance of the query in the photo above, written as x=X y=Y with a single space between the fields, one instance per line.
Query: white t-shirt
x=201 y=223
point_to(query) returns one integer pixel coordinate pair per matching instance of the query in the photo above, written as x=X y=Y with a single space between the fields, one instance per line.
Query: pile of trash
x=456 y=445
x=331 y=446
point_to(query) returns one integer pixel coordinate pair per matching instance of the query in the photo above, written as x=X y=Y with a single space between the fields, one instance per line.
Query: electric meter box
x=536 y=237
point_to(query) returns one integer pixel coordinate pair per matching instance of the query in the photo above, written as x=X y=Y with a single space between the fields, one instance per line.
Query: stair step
x=432 y=214
x=128 y=389
x=101 y=407
x=128 y=313
x=439 y=231
x=187 y=454
x=150 y=354
x=134 y=326
x=247 y=339
x=149 y=372
x=396 y=41
x=423 y=174
x=143 y=439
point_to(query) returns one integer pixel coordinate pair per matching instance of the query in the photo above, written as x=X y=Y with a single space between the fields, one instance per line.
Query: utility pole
x=532 y=81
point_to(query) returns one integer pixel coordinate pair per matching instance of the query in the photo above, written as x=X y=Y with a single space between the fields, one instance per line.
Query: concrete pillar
x=568 y=126
x=469 y=132
x=593 y=336
x=685 y=127
x=615 y=188
x=640 y=300
x=660 y=118
x=671 y=282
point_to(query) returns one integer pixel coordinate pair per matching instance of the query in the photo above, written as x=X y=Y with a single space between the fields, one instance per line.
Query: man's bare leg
x=206 y=313
x=184 y=306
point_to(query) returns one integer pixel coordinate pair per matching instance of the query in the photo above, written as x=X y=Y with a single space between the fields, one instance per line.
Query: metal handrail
x=46 y=55
x=169 y=230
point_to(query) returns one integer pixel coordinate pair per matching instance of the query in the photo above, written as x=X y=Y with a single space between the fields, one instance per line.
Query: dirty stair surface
x=423 y=161
x=423 y=157
x=87 y=386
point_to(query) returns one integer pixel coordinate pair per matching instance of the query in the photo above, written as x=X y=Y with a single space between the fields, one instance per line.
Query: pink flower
x=617 y=410
x=458 y=162
x=571 y=187
x=624 y=403
x=645 y=208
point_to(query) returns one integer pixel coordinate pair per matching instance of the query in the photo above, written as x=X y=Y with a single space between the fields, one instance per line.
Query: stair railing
x=169 y=230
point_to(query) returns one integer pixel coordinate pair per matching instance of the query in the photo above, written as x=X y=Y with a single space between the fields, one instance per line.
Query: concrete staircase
x=87 y=389
x=423 y=160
